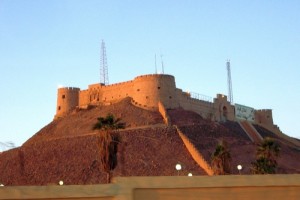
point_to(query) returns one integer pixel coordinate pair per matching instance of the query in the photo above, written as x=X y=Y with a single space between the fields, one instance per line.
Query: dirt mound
x=73 y=160
x=289 y=153
x=68 y=149
x=205 y=138
x=155 y=152
x=81 y=121
x=205 y=135
x=143 y=152
x=184 y=117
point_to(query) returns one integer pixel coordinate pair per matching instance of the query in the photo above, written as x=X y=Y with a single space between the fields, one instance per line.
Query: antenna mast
x=103 y=65
x=155 y=65
x=162 y=64
x=229 y=82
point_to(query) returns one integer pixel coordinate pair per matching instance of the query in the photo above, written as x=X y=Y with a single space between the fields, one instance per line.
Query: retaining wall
x=258 y=187
x=197 y=156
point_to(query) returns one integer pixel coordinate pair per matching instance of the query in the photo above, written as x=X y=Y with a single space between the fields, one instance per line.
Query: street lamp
x=239 y=167
x=178 y=168
x=190 y=174
x=60 y=182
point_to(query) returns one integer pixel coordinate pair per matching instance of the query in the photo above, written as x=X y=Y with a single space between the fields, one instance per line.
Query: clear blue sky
x=44 y=44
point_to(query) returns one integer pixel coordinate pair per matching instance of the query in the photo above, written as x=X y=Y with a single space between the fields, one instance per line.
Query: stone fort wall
x=67 y=99
x=147 y=92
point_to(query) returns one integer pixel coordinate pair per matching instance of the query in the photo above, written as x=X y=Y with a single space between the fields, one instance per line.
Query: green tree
x=109 y=139
x=221 y=159
x=266 y=154
x=109 y=123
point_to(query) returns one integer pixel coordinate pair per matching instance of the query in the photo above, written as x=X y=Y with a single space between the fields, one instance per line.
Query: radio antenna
x=103 y=65
x=162 y=64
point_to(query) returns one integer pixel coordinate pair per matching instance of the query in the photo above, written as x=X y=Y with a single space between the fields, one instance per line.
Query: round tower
x=148 y=90
x=67 y=99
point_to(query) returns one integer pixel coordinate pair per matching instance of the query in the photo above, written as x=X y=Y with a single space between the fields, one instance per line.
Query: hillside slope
x=68 y=149
x=81 y=121
x=205 y=135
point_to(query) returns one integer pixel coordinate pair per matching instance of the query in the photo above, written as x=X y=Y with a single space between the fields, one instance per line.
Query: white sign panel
x=244 y=112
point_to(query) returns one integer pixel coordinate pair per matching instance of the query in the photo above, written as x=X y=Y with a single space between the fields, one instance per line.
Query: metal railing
x=200 y=97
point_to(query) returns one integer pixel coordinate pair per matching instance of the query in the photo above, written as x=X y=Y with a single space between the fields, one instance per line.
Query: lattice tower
x=229 y=82
x=103 y=65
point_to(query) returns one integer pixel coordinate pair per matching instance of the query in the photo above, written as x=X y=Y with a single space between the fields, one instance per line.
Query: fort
x=165 y=126
x=158 y=92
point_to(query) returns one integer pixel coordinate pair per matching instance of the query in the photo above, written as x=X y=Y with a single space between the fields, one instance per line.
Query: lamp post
x=190 y=174
x=178 y=168
x=239 y=167
x=60 y=182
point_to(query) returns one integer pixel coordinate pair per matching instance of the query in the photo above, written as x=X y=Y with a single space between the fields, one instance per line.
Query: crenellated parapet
x=146 y=91
x=150 y=91
x=67 y=99
x=264 y=116
x=223 y=109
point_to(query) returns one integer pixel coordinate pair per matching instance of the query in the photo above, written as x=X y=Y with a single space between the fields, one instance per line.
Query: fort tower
x=67 y=99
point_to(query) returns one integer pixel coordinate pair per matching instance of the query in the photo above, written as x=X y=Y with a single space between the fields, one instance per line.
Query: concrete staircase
x=197 y=156
x=251 y=131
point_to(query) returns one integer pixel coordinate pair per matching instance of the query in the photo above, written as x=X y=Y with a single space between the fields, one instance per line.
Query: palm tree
x=108 y=142
x=221 y=159
x=109 y=123
x=266 y=155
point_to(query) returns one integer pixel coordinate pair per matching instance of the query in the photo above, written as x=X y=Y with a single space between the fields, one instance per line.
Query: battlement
x=67 y=99
x=118 y=84
x=148 y=91
x=153 y=75
x=69 y=89
x=221 y=96
x=264 y=116
x=264 y=110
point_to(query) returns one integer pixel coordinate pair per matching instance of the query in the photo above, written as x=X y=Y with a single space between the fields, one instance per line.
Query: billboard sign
x=244 y=112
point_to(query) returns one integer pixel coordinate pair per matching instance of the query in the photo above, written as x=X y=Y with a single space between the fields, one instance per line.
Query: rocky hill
x=68 y=149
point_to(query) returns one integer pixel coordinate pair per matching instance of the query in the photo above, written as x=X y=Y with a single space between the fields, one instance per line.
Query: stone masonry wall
x=203 y=108
x=67 y=99
x=146 y=92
